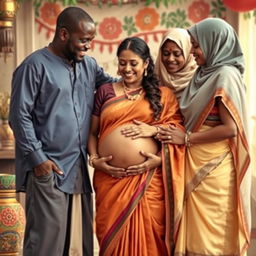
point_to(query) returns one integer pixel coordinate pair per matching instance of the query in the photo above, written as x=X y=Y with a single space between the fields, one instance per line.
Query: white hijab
x=178 y=80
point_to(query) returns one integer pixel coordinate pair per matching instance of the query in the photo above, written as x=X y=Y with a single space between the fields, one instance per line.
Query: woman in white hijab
x=175 y=65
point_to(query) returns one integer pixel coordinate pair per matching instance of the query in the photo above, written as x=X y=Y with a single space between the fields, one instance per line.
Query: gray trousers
x=48 y=216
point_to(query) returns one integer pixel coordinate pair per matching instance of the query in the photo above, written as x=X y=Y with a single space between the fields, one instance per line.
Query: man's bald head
x=71 y=17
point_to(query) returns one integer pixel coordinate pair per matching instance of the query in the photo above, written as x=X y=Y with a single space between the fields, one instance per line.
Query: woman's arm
x=100 y=163
x=227 y=129
x=93 y=136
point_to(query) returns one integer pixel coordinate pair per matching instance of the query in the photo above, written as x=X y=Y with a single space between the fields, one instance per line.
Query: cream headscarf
x=178 y=80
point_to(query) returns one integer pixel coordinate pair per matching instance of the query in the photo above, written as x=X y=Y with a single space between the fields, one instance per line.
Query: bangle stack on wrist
x=93 y=157
x=187 y=139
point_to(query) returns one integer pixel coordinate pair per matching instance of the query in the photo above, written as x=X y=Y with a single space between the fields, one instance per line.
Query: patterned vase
x=6 y=136
x=12 y=218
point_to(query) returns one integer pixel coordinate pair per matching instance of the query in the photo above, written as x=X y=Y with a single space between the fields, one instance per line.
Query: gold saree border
x=170 y=197
x=203 y=172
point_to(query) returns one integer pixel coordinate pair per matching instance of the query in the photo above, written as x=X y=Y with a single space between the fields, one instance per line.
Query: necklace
x=132 y=94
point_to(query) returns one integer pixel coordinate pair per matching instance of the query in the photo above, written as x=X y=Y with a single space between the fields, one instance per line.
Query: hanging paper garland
x=240 y=6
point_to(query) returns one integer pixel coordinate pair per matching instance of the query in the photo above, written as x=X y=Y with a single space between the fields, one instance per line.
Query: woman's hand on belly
x=151 y=162
x=171 y=134
x=103 y=165
x=139 y=130
x=124 y=150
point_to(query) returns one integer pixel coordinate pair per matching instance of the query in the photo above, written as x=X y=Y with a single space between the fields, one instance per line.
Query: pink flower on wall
x=110 y=28
x=49 y=12
x=198 y=10
x=147 y=19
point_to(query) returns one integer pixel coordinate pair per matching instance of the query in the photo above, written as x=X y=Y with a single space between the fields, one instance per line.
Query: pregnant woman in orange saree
x=138 y=183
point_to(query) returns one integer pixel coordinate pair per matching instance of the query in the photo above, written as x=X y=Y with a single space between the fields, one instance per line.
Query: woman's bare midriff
x=125 y=150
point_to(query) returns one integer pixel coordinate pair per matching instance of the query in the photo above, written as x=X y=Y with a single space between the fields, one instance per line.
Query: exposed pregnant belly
x=125 y=150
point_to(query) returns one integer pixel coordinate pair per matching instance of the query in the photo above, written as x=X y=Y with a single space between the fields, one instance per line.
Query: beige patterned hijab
x=179 y=80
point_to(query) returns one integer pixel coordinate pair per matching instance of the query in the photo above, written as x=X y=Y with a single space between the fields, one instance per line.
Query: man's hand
x=46 y=168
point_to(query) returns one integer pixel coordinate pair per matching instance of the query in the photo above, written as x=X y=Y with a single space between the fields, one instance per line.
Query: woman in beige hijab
x=175 y=65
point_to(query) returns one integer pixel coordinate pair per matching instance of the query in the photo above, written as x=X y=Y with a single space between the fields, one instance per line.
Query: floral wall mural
x=115 y=22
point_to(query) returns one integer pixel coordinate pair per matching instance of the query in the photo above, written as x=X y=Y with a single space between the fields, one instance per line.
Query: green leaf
x=215 y=4
x=247 y=15
x=165 y=2
x=218 y=9
x=148 y=2
x=73 y=2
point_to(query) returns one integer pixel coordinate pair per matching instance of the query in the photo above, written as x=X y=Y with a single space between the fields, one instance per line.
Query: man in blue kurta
x=50 y=112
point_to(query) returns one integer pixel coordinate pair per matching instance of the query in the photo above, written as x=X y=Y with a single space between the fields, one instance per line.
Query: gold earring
x=145 y=72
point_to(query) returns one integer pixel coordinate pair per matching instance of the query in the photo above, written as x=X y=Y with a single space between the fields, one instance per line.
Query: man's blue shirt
x=50 y=113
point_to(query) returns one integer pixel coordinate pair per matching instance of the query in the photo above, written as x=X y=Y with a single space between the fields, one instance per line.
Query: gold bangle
x=93 y=157
x=187 y=139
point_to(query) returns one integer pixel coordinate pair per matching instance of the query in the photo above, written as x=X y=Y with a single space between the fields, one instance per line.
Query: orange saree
x=140 y=215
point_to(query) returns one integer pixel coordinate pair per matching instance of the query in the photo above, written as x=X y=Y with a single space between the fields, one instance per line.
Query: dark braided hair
x=150 y=82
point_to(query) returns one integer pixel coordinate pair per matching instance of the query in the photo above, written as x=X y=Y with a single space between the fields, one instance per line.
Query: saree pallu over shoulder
x=140 y=215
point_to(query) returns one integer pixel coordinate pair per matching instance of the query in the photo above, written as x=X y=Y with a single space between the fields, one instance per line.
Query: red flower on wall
x=49 y=12
x=147 y=19
x=110 y=28
x=8 y=217
x=198 y=10
x=240 y=6
x=110 y=2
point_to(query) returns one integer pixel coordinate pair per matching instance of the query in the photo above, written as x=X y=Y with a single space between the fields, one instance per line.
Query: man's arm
x=102 y=77
x=25 y=87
